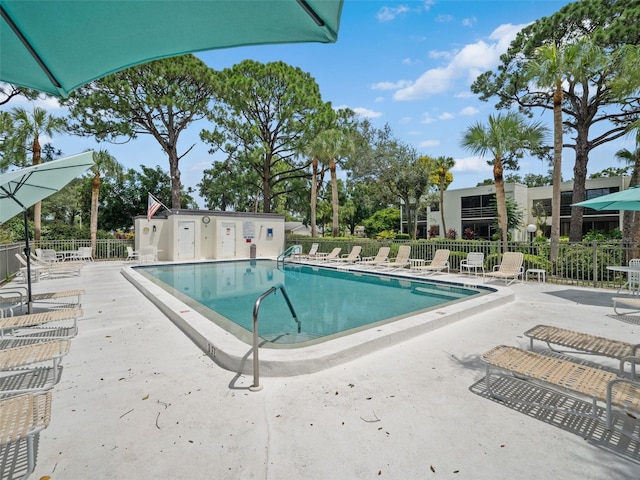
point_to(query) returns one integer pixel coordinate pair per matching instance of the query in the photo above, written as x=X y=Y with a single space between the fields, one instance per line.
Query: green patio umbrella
x=23 y=188
x=56 y=46
x=624 y=200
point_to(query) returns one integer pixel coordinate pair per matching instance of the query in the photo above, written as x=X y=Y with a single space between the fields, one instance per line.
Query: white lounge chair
x=327 y=257
x=14 y=300
x=311 y=254
x=475 y=261
x=53 y=324
x=19 y=365
x=439 y=262
x=596 y=384
x=509 y=269
x=23 y=417
x=381 y=257
x=400 y=261
x=352 y=257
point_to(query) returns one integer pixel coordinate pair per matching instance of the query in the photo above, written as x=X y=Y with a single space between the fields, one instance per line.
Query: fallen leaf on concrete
x=432 y=469
x=146 y=397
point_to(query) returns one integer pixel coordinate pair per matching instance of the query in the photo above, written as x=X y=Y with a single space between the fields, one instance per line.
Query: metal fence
x=581 y=264
x=108 y=249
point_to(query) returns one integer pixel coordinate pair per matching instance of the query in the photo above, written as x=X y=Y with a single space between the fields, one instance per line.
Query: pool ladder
x=256 y=387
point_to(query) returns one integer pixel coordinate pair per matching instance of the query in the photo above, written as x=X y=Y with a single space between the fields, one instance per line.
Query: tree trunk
x=579 y=179
x=334 y=197
x=93 y=227
x=557 y=176
x=444 y=227
x=266 y=184
x=37 y=208
x=174 y=172
x=314 y=196
x=498 y=173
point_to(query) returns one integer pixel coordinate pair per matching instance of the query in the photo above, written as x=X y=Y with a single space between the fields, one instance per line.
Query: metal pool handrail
x=256 y=387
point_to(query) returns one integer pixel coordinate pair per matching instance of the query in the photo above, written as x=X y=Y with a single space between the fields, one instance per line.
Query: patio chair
x=83 y=254
x=36 y=270
x=381 y=257
x=352 y=257
x=439 y=262
x=131 y=255
x=583 y=343
x=17 y=296
x=509 y=269
x=21 y=370
x=399 y=262
x=53 y=269
x=22 y=417
x=475 y=261
x=39 y=325
x=311 y=254
x=596 y=384
x=327 y=257
x=633 y=278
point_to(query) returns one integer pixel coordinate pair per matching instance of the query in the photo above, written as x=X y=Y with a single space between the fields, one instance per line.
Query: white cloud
x=464 y=94
x=366 y=112
x=429 y=143
x=410 y=61
x=414 y=133
x=386 y=14
x=379 y=99
x=426 y=119
x=405 y=120
x=391 y=85
x=438 y=54
x=471 y=164
x=469 y=22
x=469 y=111
x=444 y=18
x=446 y=116
x=467 y=63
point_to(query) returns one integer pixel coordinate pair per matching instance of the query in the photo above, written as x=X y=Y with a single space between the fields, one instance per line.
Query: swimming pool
x=220 y=339
x=327 y=302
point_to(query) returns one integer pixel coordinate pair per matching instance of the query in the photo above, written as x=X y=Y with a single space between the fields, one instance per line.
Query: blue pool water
x=328 y=302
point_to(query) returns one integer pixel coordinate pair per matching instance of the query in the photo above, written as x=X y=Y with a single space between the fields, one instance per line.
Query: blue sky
x=409 y=64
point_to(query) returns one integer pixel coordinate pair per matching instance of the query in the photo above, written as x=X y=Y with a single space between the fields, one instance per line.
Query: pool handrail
x=256 y=387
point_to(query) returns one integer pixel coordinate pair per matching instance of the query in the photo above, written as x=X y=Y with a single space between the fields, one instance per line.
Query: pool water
x=327 y=302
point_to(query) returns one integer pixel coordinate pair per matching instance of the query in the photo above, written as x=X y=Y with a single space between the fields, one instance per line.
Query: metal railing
x=107 y=249
x=256 y=338
x=579 y=264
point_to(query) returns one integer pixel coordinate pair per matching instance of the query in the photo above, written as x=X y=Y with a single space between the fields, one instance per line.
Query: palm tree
x=30 y=126
x=506 y=137
x=313 y=149
x=103 y=164
x=443 y=178
x=551 y=65
x=333 y=146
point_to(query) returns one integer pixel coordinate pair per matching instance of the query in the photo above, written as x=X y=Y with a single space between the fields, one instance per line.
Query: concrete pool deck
x=138 y=399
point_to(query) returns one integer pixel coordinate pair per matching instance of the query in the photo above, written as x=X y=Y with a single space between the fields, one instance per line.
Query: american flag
x=153 y=206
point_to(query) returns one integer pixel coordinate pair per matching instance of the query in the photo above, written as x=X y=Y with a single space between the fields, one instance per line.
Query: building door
x=228 y=240
x=186 y=240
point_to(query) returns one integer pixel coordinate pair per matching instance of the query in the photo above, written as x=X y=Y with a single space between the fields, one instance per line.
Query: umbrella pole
x=27 y=252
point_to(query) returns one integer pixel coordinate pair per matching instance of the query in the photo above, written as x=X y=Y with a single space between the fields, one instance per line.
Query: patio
x=138 y=399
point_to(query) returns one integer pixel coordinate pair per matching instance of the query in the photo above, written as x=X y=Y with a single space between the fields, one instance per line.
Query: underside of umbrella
x=23 y=188
x=623 y=200
x=56 y=46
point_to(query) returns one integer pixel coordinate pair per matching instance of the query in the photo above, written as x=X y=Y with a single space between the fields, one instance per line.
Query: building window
x=477 y=206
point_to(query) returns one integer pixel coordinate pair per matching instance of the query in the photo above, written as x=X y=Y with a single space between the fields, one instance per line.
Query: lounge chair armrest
x=631 y=360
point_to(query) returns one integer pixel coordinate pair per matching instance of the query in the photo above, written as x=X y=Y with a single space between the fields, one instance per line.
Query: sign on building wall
x=249 y=229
